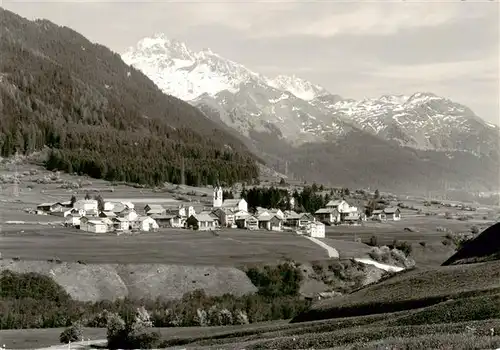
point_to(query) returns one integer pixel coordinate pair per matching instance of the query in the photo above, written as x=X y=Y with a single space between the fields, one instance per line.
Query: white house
x=109 y=206
x=121 y=224
x=129 y=214
x=72 y=220
x=154 y=209
x=86 y=204
x=236 y=204
x=341 y=205
x=315 y=229
x=379 y=215
x=146 y=223
x=45 y=208
x=202 y=222
x=328 y=215
x=217 y=197
x=186 y=212
x=72 y=211
x=392 y=214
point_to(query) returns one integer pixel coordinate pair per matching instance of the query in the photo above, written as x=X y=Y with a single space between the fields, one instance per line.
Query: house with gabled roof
x=328 y=215
x=247 y=221
x=235 y=205
x=121 y=224
x=392 y=213
x=225 y=216
x=202 y=222
x=154 y=209
x=46 y=208
x=378 y=215
x=129 y=214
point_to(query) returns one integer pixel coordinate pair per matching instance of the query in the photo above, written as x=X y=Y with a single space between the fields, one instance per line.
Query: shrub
x=373 y=241
x=71 y=334
x=474 y=229
x=423 y=243
x=404 y=246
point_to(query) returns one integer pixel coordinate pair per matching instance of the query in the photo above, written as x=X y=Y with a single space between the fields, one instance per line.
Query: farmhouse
x=378 y=215
x=353 y=219
x=249 y=222
x=305 y=218
x=163 y=221
x=235 y=204
x=73 y=220
x=392 y=214
x=202 y=222
x=315 y=229
x=291 y=218
x=79 y=212
x=225 y=216
x=270 y=222
x=121 y=224
x=128 y=214
x=89 y=205
x=154 y=209
x=46 y=208
x=328 y=215
x=184 y=212
x=341 y=205
x=260 y=211
x=145 y=223
x=92 y=225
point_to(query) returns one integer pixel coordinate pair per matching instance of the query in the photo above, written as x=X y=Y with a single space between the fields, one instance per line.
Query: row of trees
x=35 y=301
x=308 y=200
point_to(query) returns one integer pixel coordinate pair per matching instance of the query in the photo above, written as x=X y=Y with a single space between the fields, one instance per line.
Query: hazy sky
x=354 y=48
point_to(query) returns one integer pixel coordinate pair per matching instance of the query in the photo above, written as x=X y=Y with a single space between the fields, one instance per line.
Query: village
x=99 y=216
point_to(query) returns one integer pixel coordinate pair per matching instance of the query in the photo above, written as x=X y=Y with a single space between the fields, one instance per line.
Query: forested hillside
x=101 y=117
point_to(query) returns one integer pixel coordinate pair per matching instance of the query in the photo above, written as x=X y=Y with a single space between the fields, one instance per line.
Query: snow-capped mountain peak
x=299 y=87
x=187 y=74
x=184 y=73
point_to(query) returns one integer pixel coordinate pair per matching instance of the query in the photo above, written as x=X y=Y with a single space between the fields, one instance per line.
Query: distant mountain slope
x=484 y=247
x=102 y=117
x=418 y=141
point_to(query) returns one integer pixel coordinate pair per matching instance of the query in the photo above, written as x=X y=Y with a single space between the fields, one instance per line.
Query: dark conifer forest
x=101 y=117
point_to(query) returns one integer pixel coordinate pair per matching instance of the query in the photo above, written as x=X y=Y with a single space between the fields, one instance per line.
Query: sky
x=356 y=49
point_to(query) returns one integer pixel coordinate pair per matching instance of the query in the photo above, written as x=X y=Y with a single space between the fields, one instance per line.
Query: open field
x=169 y=246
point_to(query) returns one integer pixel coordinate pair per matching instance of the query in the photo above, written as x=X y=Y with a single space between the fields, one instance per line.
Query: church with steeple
x=218 y=197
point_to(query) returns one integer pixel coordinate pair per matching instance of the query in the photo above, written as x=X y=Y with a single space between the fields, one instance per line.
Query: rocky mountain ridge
x=323 y=136
x=299 y=111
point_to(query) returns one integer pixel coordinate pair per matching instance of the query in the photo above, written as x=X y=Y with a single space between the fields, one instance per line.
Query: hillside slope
x=484 y=247
x=102 y=117
x=411 y=289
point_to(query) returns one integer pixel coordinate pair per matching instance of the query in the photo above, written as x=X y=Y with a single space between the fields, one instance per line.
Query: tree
x=282 y=182
x=71 y=334
x=73 y=200
x=100 y=202
x=377 y=194
x=87 y=196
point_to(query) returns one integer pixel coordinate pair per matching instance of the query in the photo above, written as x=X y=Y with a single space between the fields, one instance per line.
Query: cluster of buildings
x=86 y=215
x=338 y=212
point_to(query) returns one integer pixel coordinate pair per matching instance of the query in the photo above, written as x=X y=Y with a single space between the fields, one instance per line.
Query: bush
x=404 y=246
x=276 y=281
x=373 y=241
x=474 y=230
x=71 y=334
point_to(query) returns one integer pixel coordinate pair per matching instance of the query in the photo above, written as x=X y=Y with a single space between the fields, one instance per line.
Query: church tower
x=217 y=197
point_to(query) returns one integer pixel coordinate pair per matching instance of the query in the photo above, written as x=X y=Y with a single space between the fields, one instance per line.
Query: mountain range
x=430 y=141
